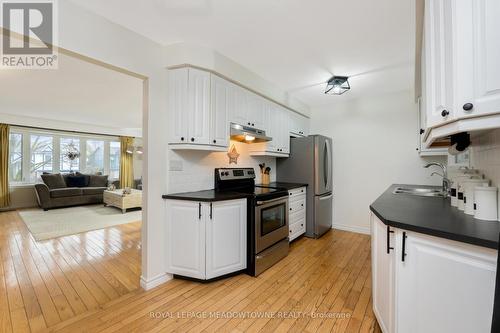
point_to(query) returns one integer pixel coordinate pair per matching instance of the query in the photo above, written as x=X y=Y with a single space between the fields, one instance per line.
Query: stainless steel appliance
x=267 y=217
x=248 y=134
x=310 y=162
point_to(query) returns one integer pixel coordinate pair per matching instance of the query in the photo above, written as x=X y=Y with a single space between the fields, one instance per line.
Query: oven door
x=271 y=222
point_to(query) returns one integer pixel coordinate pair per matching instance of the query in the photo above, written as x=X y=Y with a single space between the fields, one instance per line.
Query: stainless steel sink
x=423 y=192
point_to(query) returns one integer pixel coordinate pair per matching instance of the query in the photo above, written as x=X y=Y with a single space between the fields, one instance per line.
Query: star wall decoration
x=233 y=155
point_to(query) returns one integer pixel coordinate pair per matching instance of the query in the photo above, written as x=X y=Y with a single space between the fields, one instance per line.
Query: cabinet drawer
x=295 y=206
x=296 y=191
x=298 y=227
x=295 y=228
x=298 y=218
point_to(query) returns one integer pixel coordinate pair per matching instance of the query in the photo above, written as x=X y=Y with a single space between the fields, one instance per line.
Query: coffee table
x=119 y=200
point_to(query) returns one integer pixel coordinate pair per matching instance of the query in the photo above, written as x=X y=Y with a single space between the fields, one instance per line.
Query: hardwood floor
x=45 y=283
x=82 y=283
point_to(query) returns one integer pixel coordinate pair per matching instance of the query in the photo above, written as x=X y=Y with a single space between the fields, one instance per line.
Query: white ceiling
x=77 y=92
x=295 y=44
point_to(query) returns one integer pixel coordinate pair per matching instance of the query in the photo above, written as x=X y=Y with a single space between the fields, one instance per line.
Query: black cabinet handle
x=253 y=124
x=199 y=210
x=215 y=141
x=210 y=210
x=422 y=131
x=468 y=106
x=445 y=113
x=302 y=205
x=403 y=254
x=248 y=124
x=389 y=232
x=192 y=139
x=182 y=138
x=290 y=208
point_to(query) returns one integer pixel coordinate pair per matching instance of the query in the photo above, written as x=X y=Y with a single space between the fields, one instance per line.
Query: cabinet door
x=255 y=111
x=303 y=125
x=185 y=244
x=478 y=56
x=223 y=100
x=238 y=114
x=284 y=130
x=274 y=130
x=438 y=61
x=178 y=101
x=226 y=237
x=199 y=106
x=443 y=286
x=383 y=268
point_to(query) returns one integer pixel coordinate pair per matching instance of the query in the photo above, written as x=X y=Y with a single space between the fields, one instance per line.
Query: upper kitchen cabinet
x=198 y=114
x=460 y=67
x=436 y=59
x=249 y=109
x=223 y=102
x=278 y=128
x=299 y=125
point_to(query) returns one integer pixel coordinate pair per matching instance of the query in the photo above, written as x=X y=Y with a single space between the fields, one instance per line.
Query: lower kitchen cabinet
x=206 y=240
x=429 y=284
x=383 y=264
x=296 y=213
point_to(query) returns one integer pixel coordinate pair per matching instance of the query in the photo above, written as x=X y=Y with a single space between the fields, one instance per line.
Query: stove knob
x=226 y=173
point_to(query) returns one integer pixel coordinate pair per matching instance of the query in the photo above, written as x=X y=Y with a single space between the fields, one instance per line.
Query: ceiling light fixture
x=337 y=85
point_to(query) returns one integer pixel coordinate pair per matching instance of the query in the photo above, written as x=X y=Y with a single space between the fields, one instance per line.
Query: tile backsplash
x=486 y=155
x=197 y=167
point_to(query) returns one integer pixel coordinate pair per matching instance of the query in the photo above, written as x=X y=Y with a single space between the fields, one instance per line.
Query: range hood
x=248 y=134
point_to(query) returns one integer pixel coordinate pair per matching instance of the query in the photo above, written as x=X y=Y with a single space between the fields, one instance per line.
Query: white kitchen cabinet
x=297 y=213
x=206 y=240
x=440 y=286
x=185 y=244
x=278 y=129
x=383 y=270
x=199 y=106
x=299 y=125
x=443 y=286
x=461 y=67
x=478 y=57
x=255 y=111
x=437 y=61
x=223 y=102
x=239 y=114
x=177 y=101
x=226 y=238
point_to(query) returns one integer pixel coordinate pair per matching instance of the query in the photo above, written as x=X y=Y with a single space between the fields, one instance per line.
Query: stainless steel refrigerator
x=310 y=162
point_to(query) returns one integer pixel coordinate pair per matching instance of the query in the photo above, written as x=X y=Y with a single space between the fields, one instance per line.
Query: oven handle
x=260 y=203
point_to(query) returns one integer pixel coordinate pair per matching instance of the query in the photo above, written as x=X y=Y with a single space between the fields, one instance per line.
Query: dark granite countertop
x=287 y=186
x=207 y=196
x=435 y=217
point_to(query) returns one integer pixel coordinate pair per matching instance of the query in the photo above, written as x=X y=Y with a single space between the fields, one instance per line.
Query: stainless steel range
x=267 y=217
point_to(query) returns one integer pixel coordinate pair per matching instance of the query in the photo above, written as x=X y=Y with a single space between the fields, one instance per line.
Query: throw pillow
x=98 y=181
x=87 y=178
x=76 y=181
x=54 y=181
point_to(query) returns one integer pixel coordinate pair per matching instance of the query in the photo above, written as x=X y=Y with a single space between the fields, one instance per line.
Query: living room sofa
x=65 y=190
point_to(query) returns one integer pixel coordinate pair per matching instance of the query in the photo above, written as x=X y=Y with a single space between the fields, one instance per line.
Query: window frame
x=56 y=157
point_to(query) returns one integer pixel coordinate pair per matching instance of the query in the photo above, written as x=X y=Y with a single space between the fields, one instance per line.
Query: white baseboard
x=356 y=229
x=155 y=282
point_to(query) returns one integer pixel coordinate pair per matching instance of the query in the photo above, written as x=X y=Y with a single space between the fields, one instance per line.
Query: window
x=114 y=160
x=70 y=155
x=41 y=156
x=95 y=156
x=33 y=152
x=16 y=158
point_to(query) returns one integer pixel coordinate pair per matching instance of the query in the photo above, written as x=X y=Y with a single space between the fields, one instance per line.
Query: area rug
x=68 y=221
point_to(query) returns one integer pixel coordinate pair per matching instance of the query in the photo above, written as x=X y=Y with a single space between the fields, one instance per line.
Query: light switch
x=175 y=165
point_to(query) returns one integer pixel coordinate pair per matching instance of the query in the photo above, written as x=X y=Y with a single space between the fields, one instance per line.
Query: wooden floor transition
x=46 y=283
x=81 y=283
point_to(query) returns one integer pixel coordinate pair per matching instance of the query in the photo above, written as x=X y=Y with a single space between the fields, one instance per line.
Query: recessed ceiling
x=77 y=92
x=294 y=44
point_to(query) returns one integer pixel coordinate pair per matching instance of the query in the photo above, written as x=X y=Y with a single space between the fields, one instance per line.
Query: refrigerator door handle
x=327 y=166
x=326 y=197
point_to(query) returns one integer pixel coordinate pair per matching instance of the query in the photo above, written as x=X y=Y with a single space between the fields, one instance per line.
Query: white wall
x=198 y=167
x=374 y=146
x=85 y=33
x=486 y=155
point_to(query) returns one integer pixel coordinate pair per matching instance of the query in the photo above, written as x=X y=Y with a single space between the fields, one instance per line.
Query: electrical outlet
x=175 y=165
